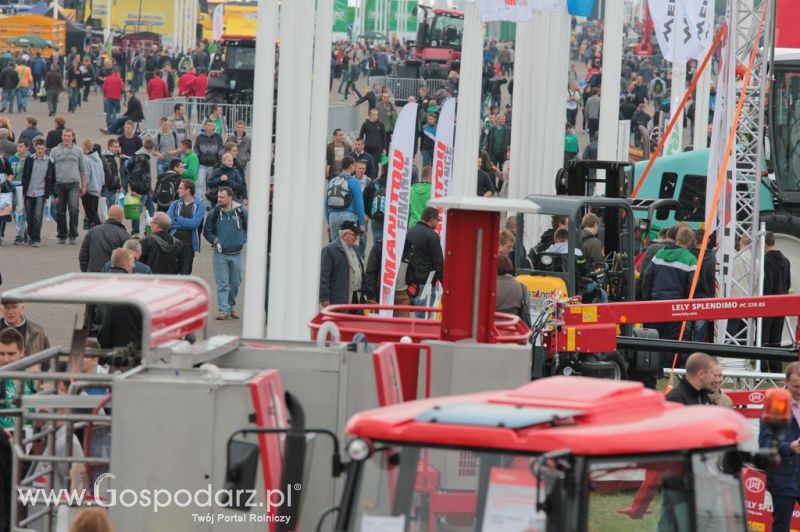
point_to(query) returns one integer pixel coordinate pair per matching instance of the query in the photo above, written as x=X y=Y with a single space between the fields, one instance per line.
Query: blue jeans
x=22 y=99
x=111 y=108
x=227 y=277
x=68 y=195
x=427 y=158
x=8 y=100
x=335 y=220
x=74 y=98
x=110 y=197
x=203 y=173
x=19 y=212
x=699 y=329
x=117 y=125
x=377 y=231
x=34 y=212
x=162 y=165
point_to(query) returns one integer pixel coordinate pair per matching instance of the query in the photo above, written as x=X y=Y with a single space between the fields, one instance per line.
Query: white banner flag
x=724 y=111
x=218 y=22
x=398 y=186
x=443 y=159
x=674 y=32
x=518 y=10
x=700 y=15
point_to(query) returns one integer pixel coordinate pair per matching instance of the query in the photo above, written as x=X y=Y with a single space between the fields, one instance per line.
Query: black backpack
x=377 y=208
x=166 y=189
x=111 y=173
x=139 y=173
x=339 y=194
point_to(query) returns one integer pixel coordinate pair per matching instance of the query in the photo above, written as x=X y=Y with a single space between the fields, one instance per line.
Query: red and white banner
x=443 y=159
x=517 y=10
x=398 y=187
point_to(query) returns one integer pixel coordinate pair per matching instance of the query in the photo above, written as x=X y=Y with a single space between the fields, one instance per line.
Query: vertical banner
x=398 y=187
x=724 y=112
x=218 y=22
x=443 y=159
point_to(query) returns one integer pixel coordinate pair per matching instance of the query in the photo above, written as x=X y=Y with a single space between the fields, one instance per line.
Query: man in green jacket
x=420 y=196
x=191 y=164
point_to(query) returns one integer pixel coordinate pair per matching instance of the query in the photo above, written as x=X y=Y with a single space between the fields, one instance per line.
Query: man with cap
x=342 y=271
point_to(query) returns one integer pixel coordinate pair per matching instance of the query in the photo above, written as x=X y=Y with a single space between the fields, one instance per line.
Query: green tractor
x=682 y=177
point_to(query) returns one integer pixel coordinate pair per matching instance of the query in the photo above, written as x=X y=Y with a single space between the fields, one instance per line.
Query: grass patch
x=604 y=515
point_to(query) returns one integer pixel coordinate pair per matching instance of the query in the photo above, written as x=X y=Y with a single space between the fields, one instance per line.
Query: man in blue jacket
x=226 y=231
x=187 y=217
x=784 y=483
x=344 y=200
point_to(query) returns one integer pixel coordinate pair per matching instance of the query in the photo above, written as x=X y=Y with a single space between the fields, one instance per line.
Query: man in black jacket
x=102 y=240
x=121 y=324
x=161 y=251
x=371 y=97
x=374 y=135
x=694 y=388
x=705 y=284
x=777 y=281
x=38 y=182
x=341 y=270
x=427 y=254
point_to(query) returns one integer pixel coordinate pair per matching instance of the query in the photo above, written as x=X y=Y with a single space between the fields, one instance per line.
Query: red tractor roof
x=175 y=305
x=449 y=12
x=588 y=416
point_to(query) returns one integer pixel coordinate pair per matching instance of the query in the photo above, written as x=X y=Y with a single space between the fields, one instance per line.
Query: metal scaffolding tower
x=740 y=199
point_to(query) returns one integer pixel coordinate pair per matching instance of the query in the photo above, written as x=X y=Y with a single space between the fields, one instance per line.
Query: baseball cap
x=350 y=226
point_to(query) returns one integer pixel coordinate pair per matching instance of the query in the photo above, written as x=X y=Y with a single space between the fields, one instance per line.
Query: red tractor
x=562 y=454
x=437 y=49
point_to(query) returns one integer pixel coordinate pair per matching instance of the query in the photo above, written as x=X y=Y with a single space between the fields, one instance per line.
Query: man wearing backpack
x=226 y=230
x=160 y=250
x=187 y=218
x=166 y=190
x=167 y=146
x=70 y=184
x=344 y=200
x=375 y=206
x=139 y=179
x=209 y=147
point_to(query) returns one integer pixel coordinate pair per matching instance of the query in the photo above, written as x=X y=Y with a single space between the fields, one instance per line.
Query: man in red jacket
x=112 y=94
x=157 y=88
x=186 y=83
x=200 y=84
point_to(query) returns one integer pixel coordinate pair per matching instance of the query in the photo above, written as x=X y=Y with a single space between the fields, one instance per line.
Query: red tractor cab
x=563 y=454
x=438 y=44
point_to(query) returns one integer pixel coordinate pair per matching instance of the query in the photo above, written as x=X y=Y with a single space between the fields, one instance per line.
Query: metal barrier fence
x=345 y=117
x=402 y=88
x=44 y=422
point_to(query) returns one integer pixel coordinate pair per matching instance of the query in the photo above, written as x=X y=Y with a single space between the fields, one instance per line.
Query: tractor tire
x=782 y=222
x=621 y=372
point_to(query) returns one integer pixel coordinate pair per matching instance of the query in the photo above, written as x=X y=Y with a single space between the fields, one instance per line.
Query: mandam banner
x=398 y=187
x=443 y=158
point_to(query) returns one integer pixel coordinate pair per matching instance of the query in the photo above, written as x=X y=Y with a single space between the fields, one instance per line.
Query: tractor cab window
x=693 y=198
x=446 y=32
x=241 y=58
x=785 y=122
x=412 y=488
x=673 y=493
